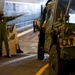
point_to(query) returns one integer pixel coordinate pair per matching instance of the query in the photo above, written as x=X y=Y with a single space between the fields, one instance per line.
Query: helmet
x=1 y=12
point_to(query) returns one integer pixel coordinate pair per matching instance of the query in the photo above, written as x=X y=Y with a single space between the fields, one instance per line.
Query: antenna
x=68 y=7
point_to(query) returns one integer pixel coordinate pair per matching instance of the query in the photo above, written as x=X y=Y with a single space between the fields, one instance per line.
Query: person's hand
x=18 y=15
x=21 y=15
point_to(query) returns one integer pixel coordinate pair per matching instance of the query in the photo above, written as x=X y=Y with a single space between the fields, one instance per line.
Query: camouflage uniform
x=3 y=32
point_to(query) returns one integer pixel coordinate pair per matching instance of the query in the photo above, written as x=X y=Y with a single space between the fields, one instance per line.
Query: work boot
x=19 y=51
x=9 y=56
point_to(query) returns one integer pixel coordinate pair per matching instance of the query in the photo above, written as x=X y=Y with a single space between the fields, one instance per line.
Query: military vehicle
x=59 y=41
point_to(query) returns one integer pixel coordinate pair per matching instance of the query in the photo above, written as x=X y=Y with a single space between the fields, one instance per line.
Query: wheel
x=40 y=54
x=53 y=61
x=41 y=46
x=57 y=66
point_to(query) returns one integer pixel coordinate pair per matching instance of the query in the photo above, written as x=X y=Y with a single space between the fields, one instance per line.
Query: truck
x=59 y=37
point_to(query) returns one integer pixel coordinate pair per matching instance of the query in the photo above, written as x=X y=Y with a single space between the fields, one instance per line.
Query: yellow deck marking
x=42 y=69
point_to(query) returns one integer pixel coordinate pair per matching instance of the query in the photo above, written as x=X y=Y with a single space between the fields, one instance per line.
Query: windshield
x=71 y=10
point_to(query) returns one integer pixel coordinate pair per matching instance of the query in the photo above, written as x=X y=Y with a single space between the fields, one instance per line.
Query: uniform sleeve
x=9 y=18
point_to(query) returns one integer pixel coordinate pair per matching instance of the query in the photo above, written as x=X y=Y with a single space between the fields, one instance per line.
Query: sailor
x=3 y=32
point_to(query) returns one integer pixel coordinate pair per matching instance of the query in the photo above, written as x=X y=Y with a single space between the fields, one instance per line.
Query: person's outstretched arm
x=12 y=17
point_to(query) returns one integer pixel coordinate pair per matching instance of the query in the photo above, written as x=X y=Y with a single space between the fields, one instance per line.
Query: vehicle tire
x=40 y=54
x=57 y=66
x=41 y=45
x=53 y=61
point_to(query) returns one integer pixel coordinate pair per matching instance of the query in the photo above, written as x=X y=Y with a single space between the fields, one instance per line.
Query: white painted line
x=15 y=60
x=25 y=32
